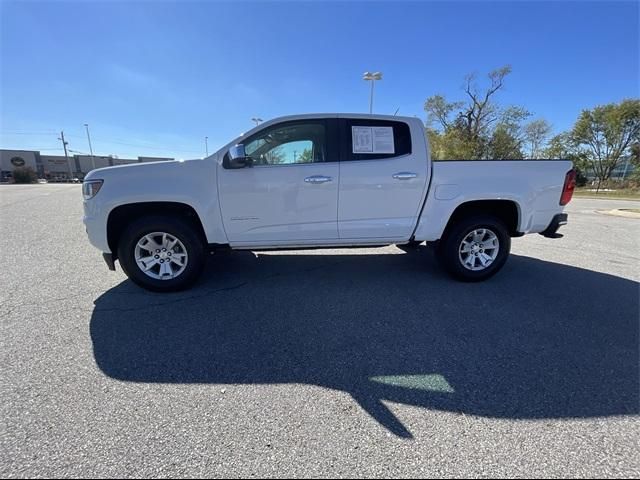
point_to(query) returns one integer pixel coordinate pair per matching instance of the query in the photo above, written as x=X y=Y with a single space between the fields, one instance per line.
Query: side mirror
x=237 y=158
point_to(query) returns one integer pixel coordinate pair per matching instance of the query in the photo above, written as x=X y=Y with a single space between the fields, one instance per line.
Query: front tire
x=475 y=248
x=161 y=254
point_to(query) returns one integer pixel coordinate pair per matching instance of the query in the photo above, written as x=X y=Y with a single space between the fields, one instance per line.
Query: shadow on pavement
x=540 y=340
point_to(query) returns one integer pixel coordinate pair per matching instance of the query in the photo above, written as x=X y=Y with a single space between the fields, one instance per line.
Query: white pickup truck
x=326 y=180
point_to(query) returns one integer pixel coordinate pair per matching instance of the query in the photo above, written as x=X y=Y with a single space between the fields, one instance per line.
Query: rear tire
x=171 y=267
x=474 y=248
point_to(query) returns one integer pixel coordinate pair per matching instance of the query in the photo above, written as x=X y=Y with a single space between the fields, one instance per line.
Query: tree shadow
x=539 y=340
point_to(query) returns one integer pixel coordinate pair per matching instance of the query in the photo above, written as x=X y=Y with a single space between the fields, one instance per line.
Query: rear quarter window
x=401 y=139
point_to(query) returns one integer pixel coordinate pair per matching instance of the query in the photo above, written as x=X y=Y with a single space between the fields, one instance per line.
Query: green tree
x=452 y=144
x=561 y=146
x=535 y=135
x=635 y=154
x=504 y=145
x=24 y=175
x=605 y=135
x=306 y=156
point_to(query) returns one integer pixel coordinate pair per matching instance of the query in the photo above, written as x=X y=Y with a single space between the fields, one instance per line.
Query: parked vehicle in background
x=320 y=181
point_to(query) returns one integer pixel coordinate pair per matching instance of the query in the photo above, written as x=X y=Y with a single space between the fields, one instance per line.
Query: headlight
x=90 y=188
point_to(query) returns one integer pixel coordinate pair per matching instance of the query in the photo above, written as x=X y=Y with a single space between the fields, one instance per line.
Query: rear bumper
x=552 y=230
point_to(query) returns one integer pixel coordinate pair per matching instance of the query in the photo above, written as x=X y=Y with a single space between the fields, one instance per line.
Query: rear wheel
x=161 y=254
x=475 y=248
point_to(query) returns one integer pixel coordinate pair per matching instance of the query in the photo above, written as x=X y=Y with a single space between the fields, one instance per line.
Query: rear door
x=383 y=179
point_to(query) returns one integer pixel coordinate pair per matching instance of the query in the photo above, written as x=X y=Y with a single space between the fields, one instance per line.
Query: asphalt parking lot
x=352 y=362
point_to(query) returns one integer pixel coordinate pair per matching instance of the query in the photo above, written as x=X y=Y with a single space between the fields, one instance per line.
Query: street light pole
x=372 y=77
x=257 y=120
x=93 y=161
x=371 y=98
x=206 y=145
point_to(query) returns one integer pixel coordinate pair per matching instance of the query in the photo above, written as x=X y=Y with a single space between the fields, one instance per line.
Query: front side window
x=288 y=144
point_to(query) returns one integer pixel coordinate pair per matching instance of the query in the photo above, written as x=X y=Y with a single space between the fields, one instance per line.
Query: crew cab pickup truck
x=326 y=180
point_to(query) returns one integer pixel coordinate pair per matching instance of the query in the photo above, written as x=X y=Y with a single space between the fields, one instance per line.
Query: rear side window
x=364 y=139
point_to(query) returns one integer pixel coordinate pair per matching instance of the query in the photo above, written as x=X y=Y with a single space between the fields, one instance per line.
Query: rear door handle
x=404 y=175
x=317 y=179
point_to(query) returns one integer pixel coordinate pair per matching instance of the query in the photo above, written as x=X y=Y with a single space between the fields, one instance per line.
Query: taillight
x=569 y=187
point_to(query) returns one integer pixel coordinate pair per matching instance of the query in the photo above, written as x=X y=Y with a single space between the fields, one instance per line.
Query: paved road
x=360 y=362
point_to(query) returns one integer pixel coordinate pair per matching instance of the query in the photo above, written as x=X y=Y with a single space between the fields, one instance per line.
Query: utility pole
x=206 y=145
x=66 y=155
x=93 y=161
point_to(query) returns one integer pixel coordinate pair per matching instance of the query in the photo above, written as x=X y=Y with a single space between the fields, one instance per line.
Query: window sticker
x=372 y=140
x=362 y=139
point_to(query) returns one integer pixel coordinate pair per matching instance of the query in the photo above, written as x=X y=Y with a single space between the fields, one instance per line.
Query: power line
x=104 y=141
x=33 y=148
x=27 y=133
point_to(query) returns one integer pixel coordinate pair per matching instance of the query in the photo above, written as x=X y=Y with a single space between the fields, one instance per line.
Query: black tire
x=448 y=250
x=180 y=229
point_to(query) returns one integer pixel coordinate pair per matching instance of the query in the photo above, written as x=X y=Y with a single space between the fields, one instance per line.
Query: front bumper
x=552 y=230
x=95 y=222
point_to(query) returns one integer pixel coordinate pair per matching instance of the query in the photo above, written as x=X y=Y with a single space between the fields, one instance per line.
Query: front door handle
x=404 y=175
x=317 y=179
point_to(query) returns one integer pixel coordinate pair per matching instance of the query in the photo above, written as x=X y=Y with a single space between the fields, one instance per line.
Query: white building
x=12 y=159
x=124 y=161
x=59 y=168
x=85 y=163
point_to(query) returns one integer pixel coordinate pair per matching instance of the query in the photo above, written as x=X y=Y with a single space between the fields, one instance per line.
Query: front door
x=290 y=194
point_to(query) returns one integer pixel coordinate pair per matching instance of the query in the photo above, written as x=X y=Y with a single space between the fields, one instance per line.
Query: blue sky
x=155 y=78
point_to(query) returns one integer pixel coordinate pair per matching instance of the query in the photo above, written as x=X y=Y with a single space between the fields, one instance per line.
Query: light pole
x=93 y=161
x=257 y=120
x=372 y=77
x=206 y=145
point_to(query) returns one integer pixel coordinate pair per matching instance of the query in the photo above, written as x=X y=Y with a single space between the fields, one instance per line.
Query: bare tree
x=481 y=112
x=468 y=124
x=535 y=134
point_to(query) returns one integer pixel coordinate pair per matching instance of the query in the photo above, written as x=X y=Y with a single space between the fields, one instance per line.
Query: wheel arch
x=122 y=216
x=508 y=211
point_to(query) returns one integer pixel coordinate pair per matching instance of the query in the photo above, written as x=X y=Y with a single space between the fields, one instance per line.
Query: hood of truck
x=141 y=169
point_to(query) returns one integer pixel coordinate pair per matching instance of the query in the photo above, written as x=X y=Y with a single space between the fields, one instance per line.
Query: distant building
x=12 y=159
x=85 y=164
x=124 y=161
x=59 y=168
x=623 y=170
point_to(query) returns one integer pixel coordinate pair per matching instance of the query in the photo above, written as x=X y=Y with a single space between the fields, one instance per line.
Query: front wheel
x=475 y=248
x=161 y=254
